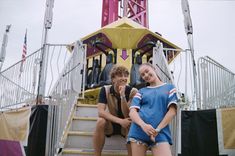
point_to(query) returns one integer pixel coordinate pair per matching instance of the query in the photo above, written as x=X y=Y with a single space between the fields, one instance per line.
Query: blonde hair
x=148 y=64
x=151 y=65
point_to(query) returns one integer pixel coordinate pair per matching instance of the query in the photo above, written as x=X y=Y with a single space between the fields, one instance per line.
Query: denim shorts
x=149 y=145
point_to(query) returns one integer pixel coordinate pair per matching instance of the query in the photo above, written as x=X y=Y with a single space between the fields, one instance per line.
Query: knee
x=100 y=123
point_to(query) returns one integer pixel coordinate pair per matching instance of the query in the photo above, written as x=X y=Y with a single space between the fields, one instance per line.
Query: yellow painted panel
x=124 y=37
x=228 y=118
x=144 y=59
x=124 y=22
x=127 y=62
x=89 y=63
x=103 y=61
x=15 y=124
x=91 y=96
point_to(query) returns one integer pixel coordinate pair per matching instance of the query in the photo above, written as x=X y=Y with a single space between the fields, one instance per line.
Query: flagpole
x=4 y=45
x=44 y=59
x=23 y=58
x=189 y=31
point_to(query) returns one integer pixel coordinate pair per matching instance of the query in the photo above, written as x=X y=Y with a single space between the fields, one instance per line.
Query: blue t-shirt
x=153 y=104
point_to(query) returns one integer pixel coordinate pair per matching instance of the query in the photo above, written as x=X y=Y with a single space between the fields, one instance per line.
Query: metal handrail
x=216 y=84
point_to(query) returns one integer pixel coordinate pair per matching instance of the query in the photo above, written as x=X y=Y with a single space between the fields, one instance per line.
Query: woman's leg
x=161 y=149
x=138 y=149
x=128 y=146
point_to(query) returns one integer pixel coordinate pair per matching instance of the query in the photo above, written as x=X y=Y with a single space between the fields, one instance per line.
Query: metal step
x=86 y=124
x=80 y=137
x=84 y=140
x=84 y=110
x=85 y=152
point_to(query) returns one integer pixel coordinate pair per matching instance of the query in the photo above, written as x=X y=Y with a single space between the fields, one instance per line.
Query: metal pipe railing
x=216 y=84
x=63 y=98
x=18 y=83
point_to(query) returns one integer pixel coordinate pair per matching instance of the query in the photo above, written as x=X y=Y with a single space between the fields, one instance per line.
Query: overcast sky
x=213 y=25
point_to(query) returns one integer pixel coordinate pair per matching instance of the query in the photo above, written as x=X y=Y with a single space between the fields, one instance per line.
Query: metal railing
x=64 y=82
x=216 y=84
x=63 y=98
x=160 y=62
x=19 y=82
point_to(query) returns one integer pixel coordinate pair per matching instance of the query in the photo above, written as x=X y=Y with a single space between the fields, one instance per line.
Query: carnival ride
x=69 y=108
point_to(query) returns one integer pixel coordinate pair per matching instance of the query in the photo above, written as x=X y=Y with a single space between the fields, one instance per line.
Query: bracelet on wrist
x=142 y=125
x=158 y=130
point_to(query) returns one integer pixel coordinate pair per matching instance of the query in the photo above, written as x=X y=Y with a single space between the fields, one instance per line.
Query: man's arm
x=108 y=116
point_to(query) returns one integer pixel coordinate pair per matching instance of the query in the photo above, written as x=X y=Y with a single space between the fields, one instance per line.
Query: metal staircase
x=79 y=137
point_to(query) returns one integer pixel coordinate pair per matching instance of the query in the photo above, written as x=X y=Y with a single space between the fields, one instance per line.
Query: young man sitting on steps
x=116 y=99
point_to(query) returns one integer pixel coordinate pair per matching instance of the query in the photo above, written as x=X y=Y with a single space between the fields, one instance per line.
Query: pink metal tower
x=137 y=10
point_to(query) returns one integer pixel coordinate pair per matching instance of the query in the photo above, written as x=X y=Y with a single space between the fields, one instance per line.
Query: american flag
x=24 y=52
